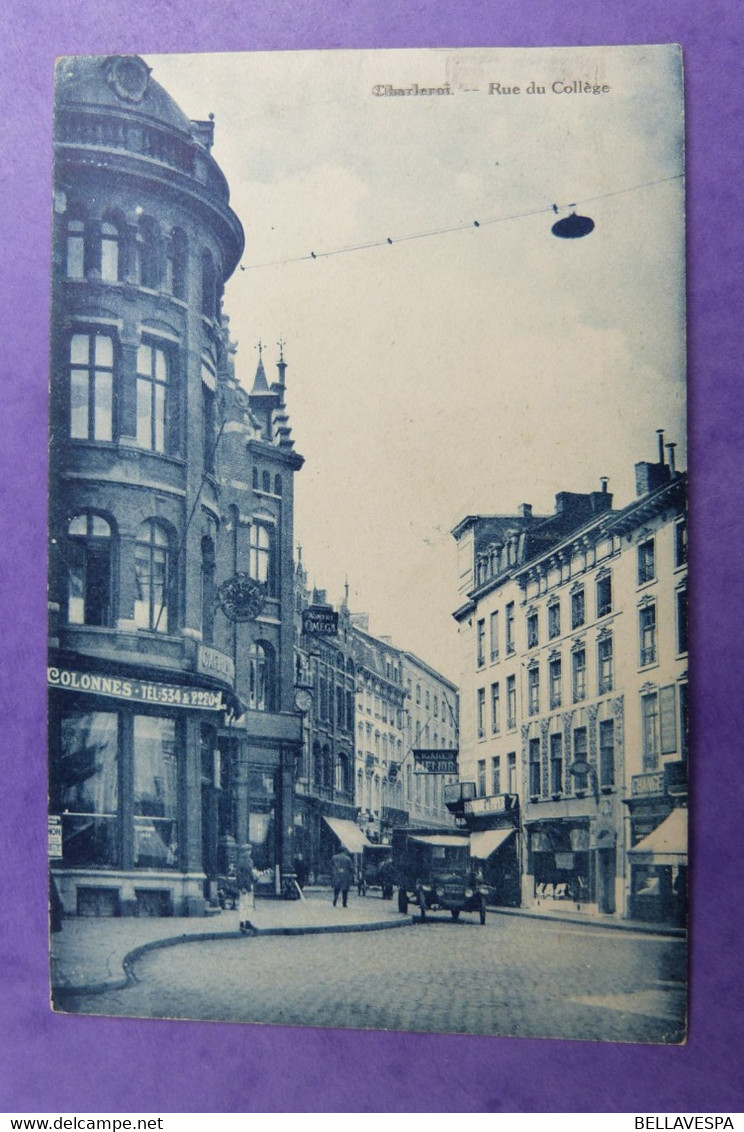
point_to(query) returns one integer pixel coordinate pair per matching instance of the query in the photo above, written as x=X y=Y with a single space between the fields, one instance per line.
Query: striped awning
x=487 y=841
x=351 y=836
x=665 y=845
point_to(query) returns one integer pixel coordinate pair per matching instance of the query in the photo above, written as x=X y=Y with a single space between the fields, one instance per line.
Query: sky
x=471 y=370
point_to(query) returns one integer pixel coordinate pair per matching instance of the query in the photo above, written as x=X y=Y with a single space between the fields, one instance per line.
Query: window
x=578 y=608
x=681 y=602
x=155 y=793
x=511 y=701
x=75 y=249
x=480 y=639
x=175 y=264
x=604 y=665
x=151 y=577
x=683 y=720
x=207 y=590
x=680 y=543
x=260 y=681
x=494 y=635
x=277 y=485
x=533 y=689
x=650 y=730
x=510 y=627
x=668 y=720
x=495 y=710
x=85 y=788
x=481 y=712
x=556 y=763
x=555 y=677
x=646 y=562
x=604 y=595
x=531 y=630
x=91 y=387
x=208 y=398
x=534 y=767
x=152 y=384
x=436 y=707
x=110 y=252
x=554 y=619
x=89 y=571
x=427 y=699
x=511 y=771
x=147 y=254
x=579 y=754
x=418 y=693
x=481 y=777
x=209 y=286
x=647 y=632
x=259 y=554
x=607 y=753
x=496 y=775
x=579 y=674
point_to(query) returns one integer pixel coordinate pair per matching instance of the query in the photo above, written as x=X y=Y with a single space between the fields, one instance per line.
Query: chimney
x=660 y=434
x=604 y=480
x=525 y=510
x=670 y=449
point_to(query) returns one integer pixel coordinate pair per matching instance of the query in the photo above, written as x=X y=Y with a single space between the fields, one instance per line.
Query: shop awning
x=457 y=841
x=487 y=841
x=351 y=836
x=665 y=845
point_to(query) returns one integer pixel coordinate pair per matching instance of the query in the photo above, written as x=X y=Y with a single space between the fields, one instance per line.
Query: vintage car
x=376 y=871
x=434 y=870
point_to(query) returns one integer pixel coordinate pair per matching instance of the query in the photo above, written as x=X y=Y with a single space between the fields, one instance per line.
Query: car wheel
x=455 y=913
x=482 y=909
x=402 y=901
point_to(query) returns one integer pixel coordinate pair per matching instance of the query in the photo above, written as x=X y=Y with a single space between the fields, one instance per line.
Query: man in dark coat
x=342 y=875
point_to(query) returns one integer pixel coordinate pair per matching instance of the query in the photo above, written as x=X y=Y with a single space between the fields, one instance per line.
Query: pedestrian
x=246 y=879
x=342 y=875
x=300 y=869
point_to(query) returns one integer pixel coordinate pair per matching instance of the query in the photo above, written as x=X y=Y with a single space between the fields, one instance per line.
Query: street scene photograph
x=367 y=646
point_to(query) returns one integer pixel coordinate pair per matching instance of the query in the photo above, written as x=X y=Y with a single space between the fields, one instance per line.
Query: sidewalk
x=93 y=955
x=595 y=920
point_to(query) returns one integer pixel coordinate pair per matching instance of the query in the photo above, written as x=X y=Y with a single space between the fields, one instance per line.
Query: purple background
x=76 y=1064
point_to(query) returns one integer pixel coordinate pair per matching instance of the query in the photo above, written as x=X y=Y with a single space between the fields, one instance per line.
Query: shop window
x=647 y=633
x=650 y=730
x=607 y=753
x=556 y=763
x=511 y=701
x=555 y=675
x=578 y=658
x=533 y=689
x=152 y=391
x=155 y=793
x=534 y=768
x=578 y=608
x=91 y=387
x=75 y=249
x=554 y=619
x=510 y=627
x=89 y=570
x=532 y=631
x=604 y=595
x=85 y=788
x=495 y=709
x=605 y=675
x=646 y=562
x=151 y=567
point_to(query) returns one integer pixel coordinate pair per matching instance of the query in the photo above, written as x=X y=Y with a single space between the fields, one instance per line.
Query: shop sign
x=55 y=836
x=137 y=691
x=322 y=622
x=436 y=761
x=212 y=662
x=496 y=804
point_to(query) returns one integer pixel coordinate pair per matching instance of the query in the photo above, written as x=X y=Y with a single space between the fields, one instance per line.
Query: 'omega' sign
x=322 y=622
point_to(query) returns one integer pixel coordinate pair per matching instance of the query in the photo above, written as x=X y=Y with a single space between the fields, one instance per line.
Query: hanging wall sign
x=321 y=621
x=436 y=761
x=241 y=598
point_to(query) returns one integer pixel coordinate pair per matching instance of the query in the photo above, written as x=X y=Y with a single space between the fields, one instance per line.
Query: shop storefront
x=127 y=758
x=493 y=822
x=658 y=870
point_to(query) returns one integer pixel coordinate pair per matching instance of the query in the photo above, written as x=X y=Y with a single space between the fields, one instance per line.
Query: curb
x=613 y=925
x=59 y=993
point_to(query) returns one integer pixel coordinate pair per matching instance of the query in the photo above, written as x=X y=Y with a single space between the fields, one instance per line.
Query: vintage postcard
x=368 y=546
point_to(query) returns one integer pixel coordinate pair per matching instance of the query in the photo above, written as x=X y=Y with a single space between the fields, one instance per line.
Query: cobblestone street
x=527 y=978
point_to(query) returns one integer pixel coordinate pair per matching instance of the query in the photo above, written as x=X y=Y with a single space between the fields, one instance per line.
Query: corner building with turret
x=172 y=732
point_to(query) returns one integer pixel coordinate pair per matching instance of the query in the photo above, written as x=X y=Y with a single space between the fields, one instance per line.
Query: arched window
x=266 y=482
x=110 y=252
x=209 y=285
x=259 y=554
x=89 y=571
x=147 y=251
x=207 y=590
x=255 y=479
x=151 y=568
x=75 y=249
x=91 y=387
x=176 y=252
x=327 y=766
x=277 y=485
x=152 y=385
x=342 y=767
x=257 y=677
